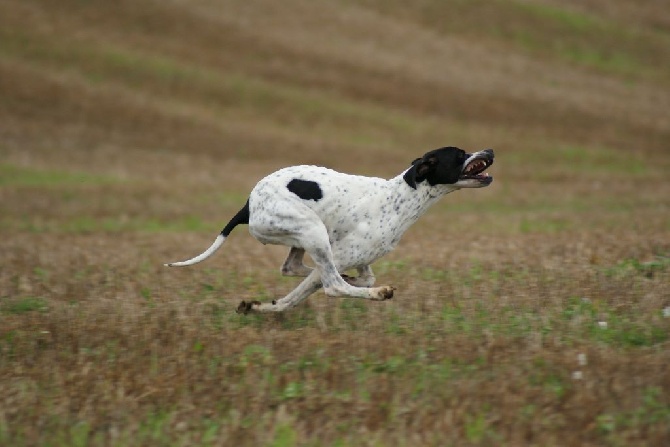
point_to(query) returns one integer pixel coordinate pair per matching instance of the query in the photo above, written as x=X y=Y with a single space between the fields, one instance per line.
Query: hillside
x=233 y=80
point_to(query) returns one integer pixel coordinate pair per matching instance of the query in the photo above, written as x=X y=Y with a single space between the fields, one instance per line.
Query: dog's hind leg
x=307 y=287
x=315 y=242
x=293 y=266
x=365 y=278
x=306 y=231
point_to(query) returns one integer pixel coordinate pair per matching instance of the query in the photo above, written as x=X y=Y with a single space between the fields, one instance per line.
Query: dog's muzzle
x=476 y=165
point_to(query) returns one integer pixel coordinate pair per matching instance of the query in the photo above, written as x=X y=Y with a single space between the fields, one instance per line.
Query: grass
x=532 y=312
x=569 y=23
x=16 y=176
x=595 y=162
x=232 y=94
x=88 y=224
x=23 y=305
x=549 y=30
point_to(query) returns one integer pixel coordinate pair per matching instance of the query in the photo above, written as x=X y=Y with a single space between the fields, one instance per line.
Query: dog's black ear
x=421 y=167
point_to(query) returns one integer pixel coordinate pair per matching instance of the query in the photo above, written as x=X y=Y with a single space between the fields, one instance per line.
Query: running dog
x=345 y=221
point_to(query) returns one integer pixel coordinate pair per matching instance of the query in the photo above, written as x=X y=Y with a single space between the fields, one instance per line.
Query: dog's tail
x=242 y=217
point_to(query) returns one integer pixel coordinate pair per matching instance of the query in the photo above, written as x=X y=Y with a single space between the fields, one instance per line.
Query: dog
x=344 y=221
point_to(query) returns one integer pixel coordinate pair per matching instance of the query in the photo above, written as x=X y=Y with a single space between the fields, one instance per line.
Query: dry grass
x=533 y=312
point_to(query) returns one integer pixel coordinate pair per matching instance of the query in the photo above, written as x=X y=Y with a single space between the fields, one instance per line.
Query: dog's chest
x=363 y=217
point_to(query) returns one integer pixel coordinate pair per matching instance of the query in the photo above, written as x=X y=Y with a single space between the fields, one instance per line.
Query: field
x=534 y=312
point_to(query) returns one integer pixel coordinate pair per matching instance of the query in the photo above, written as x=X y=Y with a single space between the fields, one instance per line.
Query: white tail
x=201 y=257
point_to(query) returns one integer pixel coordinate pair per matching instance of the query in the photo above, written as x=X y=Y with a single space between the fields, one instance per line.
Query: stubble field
x=532 y=312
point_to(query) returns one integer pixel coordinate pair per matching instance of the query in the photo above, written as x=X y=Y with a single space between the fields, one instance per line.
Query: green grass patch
x=652 y=410
x=545 y=224
x=90 y=224
x=284 y=436
x=23 y=305
x=648 y=269
x=570 y=20
x=559 y=32
x=597 y=321
x=580 y=38
x=11 y=175
x=591 y=161
x=538 y=214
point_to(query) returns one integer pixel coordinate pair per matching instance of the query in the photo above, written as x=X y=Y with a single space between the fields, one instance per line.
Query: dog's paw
x=384 y=293
x=247 y=306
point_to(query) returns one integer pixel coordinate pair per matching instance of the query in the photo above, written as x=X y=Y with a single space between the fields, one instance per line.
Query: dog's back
x=333 y=196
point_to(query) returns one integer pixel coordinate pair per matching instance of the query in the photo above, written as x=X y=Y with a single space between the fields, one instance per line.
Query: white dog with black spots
x=345 y=221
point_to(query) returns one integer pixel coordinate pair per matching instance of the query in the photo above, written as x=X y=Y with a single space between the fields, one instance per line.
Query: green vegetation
x=15 y=176
x=23 y=305
x=582 y=36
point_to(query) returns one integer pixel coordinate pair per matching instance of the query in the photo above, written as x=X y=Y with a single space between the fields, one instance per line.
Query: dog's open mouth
x=476 y=169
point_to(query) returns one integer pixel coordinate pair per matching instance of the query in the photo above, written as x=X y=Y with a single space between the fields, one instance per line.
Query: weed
x=618 y=330
x=256 y=355
x=284 y=436
x=210 y=433
x=352 y=313
x=23 y=305
x=475 y=428
x=293 y=390
x=432 y=274
x=652 y=411
x=154 y=428
x=395 y=324
x=648 y=269
x=80 y=435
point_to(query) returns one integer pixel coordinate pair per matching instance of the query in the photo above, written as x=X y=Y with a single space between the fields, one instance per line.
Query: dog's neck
x=410 y=203
x=424 y=191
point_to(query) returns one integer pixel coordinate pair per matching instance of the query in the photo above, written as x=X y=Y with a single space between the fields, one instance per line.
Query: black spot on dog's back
x=305 y=189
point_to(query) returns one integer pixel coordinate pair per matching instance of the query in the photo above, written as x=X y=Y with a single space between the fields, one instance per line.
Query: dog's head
x=451 y=166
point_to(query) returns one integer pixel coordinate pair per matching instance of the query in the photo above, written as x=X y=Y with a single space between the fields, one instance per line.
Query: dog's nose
x=489 y=152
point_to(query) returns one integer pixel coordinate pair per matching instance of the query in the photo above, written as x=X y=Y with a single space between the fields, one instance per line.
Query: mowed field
x=534 y=312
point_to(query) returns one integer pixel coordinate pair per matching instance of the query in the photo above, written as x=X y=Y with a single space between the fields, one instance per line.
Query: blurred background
x=215 y=94
x=531 y=312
